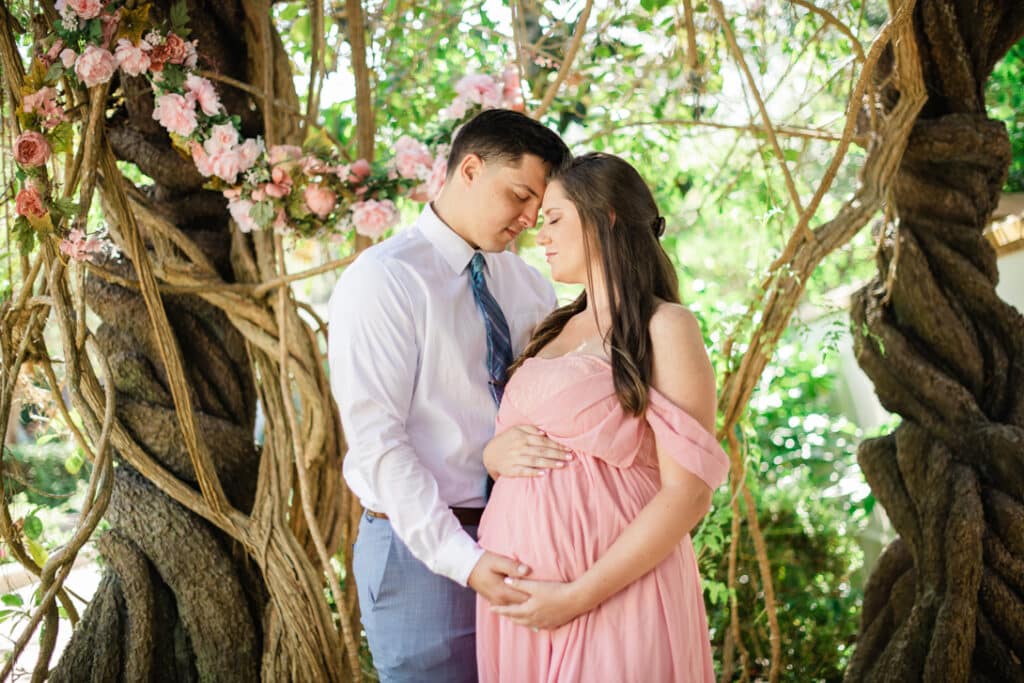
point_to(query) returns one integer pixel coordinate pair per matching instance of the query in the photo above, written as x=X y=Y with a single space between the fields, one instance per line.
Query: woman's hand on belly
x=551 y=604
x=523 y=451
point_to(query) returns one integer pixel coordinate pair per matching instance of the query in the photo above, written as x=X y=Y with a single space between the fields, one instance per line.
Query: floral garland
x=302 y=192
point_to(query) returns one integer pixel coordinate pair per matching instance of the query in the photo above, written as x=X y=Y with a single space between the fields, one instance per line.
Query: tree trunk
x=179 y=599
x=946 y=599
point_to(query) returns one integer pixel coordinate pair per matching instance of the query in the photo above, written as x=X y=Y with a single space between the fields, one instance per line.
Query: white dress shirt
x=407 y=352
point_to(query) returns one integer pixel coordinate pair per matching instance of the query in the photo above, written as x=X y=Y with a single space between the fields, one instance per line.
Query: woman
x=618 y=379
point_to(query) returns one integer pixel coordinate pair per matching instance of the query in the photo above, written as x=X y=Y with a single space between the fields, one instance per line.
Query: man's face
x=505 y=198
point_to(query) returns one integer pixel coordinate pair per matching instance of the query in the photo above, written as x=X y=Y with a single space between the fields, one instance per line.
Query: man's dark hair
x=505 y=136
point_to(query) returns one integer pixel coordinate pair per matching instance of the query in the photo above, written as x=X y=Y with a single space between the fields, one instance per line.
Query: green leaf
x=12 y=600
x=37 y=552
x=55 y=72
x=94 y=30
x=65 y=207
x=33 y=527
x=60 y=137
x=74 y=463
x=25 y=235
x=262 y=213
x=179 y=18
x=174 y=78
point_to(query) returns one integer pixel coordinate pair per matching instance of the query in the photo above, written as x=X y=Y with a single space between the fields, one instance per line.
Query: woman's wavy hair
x=622 y=224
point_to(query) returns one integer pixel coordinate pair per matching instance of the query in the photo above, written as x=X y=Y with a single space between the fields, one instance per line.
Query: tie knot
x=476 y=264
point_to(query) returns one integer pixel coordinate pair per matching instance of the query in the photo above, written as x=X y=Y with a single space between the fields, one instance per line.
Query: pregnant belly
x=561 y=523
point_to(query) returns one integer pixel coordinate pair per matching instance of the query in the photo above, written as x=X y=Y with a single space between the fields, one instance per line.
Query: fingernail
x=541 y=473
x=523 y=569
x=509 y=580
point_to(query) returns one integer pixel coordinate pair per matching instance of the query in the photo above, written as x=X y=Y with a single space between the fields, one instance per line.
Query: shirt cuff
x=457 y=557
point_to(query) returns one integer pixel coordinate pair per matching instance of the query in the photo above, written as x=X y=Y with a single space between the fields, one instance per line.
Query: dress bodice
x=572 y=399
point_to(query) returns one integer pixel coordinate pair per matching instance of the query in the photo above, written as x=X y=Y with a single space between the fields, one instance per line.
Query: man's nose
x=529 y=216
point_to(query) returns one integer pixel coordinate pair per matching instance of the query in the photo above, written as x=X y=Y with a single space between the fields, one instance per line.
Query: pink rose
x=223 y=137
x=313 y=166
x=226 y=165
x=205 y=94
x=85 y=9
x=277 y=190
x=31 y=149
x=239 y=209
x=29 y=203
x=249 y=152
x=372 y=218
x=79 y=248
x=232 y=193
x=258 y=195
x=457 y=109
x=429 y=190
x=201 y=159
x=68 y=57
x=412 y=158
x=320 y=200
x=95 y=66
x=175 y=113
x=281 y=153
x=171 y=49
x=359 y=171
x=131 y=59
x=480 y=89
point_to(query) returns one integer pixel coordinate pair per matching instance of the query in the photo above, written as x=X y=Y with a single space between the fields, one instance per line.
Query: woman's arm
x=683 y=374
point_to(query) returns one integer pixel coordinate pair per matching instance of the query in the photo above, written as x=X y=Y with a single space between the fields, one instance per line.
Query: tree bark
x=179 y=600
x=946 y=600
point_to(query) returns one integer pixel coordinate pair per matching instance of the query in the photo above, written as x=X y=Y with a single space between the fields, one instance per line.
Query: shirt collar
x=455 y=250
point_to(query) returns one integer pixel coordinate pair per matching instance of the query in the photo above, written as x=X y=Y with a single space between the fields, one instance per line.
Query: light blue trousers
x=421 y=626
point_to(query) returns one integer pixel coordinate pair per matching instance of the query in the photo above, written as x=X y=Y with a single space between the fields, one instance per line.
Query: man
x=422 y=327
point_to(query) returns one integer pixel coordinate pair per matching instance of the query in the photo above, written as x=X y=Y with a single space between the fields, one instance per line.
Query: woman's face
x=562 y=236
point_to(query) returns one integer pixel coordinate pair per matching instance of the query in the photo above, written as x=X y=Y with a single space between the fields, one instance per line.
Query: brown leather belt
x=467 y=516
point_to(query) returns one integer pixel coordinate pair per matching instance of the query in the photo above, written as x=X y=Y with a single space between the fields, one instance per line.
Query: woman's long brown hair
x=621 y=221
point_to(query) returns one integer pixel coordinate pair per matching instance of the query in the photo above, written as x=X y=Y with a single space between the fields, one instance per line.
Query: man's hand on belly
x=488 y=579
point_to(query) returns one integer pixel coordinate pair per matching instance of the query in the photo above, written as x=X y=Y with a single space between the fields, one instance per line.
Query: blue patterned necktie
x=499 y=341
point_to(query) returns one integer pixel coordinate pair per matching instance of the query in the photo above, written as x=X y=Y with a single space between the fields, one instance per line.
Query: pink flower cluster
x=78 y=247
x=481 y=90
x=97 y=63
x=374 y=217
x=82 y=9
x=43 y=102
x=222 y=154
x=282 y=188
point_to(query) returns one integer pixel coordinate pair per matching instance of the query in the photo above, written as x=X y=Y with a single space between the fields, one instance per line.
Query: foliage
x=812 y=504
x=1005 y=99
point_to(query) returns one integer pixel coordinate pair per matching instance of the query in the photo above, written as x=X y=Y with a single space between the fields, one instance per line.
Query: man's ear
x=470 y=168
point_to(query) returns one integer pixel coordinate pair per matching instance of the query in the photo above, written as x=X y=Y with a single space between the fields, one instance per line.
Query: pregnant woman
x=604 y=457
